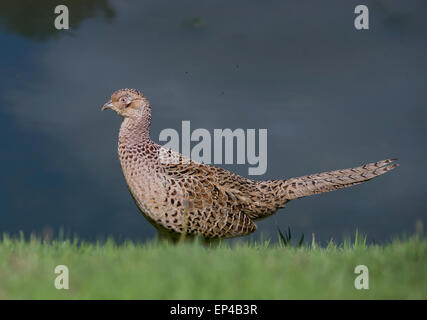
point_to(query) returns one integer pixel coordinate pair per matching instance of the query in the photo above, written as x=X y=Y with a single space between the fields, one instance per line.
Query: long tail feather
x=333 y=180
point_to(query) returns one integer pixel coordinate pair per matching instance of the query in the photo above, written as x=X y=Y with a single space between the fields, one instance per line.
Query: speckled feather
x=185 y=196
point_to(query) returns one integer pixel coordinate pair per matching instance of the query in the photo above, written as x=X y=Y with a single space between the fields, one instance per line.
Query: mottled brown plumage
x=178 y=195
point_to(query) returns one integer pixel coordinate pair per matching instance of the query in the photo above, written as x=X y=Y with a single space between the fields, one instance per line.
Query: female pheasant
x=178 y=195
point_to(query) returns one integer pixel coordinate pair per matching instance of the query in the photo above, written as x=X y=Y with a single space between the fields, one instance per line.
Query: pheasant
x=195 y=199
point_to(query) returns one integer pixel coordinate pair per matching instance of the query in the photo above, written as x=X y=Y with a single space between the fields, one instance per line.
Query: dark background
x=330 y=96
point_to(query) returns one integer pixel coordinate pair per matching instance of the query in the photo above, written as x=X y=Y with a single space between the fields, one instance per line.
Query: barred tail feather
x=333 y=180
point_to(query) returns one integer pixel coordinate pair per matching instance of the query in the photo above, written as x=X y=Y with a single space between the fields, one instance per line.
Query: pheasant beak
x=108 y=105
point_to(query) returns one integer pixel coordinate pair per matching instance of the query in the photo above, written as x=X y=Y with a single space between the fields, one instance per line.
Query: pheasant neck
x=135 y=131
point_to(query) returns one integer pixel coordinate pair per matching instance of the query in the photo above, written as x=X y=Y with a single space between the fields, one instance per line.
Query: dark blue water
x=331 y=97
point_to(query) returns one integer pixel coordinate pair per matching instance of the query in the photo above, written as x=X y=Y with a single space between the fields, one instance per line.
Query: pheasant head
x=129 y=103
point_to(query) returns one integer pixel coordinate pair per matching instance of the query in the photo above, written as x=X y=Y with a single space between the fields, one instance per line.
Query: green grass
x=192 y=271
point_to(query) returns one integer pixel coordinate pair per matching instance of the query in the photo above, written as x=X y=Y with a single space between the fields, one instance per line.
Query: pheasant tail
x=328 y=181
